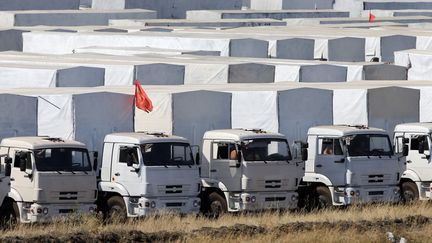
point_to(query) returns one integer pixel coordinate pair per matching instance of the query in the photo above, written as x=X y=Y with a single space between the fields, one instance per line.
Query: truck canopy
x=419 y=127
x=142 y=137
x=40 y=143
x=241 y=134
x=344 y=130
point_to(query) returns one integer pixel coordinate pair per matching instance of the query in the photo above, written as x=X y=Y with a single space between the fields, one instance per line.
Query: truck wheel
x=116 y=210
x=409 y=192
x=216 y=205
x=323 y=197
x=10 y=214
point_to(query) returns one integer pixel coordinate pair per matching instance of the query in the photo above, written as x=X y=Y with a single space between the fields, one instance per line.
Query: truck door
x=22 y=181
x=420 y=163
x=127 y=176
x=4 y=182
x=330 y=160
x=224 y=166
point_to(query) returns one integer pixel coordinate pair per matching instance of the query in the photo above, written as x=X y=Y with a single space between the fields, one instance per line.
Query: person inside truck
x=233 y=153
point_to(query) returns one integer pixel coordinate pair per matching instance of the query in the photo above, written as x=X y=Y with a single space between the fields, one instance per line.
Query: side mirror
x=8 y=166
x=239 y=158
x=304 y=154
x=95 y=160
x=197 y=159
x=405 y=150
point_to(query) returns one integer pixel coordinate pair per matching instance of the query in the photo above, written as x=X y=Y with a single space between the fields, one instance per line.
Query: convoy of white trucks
x=235 y=170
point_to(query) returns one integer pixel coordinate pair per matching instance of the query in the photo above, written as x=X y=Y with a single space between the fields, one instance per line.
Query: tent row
x=87 y=115
x=171 y=70
x=320 y=47
x=16 y=5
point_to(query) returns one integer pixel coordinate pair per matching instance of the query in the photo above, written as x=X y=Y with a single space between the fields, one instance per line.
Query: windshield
x=369 y=145
x=62 y=159
x=156 y=154
x=265 y=150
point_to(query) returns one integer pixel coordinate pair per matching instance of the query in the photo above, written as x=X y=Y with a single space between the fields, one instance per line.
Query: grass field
x=354 y=224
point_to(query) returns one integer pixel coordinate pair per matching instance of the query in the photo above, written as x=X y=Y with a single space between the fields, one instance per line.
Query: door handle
x=409 y=161
x=318 y=166
x=12 y=179
x=117 y=174
x=213 y=170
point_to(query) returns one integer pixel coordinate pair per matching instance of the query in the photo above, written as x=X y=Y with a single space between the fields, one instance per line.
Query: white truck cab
x=351 y=164
x=147 y=173
x=247 y=170
x=416 y=180
x=50 y=177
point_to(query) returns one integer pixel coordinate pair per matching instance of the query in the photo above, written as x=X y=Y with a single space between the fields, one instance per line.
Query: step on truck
x=145 y=173
x=50 y=178
x=247 y=170
x=416 y=180
x=350 y=164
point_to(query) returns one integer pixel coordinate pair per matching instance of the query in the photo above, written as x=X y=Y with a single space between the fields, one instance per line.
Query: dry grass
x=264 y=227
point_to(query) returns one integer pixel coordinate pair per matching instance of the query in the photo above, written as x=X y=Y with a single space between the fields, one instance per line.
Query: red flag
x=371 y=17
x=142 y=101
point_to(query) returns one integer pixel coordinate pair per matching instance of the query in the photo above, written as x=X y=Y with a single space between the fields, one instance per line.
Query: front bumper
x=254 y=201
x=39 y=213
x=358 y=195
x=143 y=206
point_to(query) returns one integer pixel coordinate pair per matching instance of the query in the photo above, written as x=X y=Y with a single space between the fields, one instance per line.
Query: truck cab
x=50 y=177
x=351 y=164
x=247 y=170
x=417 y=178
x=147 y=173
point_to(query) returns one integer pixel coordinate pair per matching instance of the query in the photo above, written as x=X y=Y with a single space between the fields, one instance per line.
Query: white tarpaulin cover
x=350 y=106
x=18 y=115
x=255 y=109
x=179 y=113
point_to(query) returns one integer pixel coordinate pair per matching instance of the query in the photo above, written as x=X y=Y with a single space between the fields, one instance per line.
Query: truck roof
x=420 y=127
x=40 y=143
x=241 y=134
x=142 y=137
x=344 y=130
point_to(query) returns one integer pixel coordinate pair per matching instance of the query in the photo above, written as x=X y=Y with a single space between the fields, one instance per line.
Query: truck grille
x=174 y=204
x=376 y=178
x=173 y=189
x=376 y=193
x=68 y=195
x=273 y=184
x=275 y=199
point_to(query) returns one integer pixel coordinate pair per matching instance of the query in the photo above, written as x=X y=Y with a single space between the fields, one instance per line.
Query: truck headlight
x=45 y=211
x=253 y=199
x=396 y=191
x=153 y=204
x=196 y=203
x=294 y=198
x=134 y=199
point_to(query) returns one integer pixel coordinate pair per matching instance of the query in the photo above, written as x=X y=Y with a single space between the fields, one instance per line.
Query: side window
x=224 y=151
x=329 y=146
x=128 y=154
x=19 y=155
x=3 y=151
x=416 y=140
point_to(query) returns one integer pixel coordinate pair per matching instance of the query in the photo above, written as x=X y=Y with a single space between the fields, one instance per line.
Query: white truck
x=147 y=173
x=351 y=164
x=247 y=170
x=416 y=180
x=50 y=177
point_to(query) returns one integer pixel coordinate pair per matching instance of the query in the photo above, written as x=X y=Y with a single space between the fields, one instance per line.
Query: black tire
x=216 y=205
x=323 y=197
x=10 y=214
x=116 y=210
x=409 y=192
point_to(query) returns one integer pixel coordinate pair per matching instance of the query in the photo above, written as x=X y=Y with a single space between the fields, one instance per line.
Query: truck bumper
x=39 y=213
x=144 y=206
x=353 y=195
x=255 y=201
